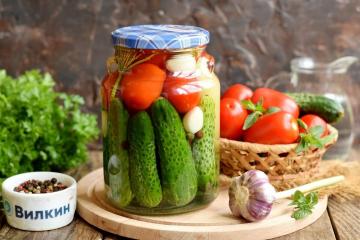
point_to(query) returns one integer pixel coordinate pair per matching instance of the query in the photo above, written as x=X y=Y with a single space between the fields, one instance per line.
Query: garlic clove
x=257 y=210
x=184 y=62
x=193 y=120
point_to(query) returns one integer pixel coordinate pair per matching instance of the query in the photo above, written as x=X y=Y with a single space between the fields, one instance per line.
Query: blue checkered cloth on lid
x=160 y=36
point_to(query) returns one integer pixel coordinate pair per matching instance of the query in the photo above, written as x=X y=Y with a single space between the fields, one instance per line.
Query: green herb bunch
x=304 y=204
x=41 y=129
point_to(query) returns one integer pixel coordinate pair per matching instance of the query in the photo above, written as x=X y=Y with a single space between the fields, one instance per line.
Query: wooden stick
x=310 y=186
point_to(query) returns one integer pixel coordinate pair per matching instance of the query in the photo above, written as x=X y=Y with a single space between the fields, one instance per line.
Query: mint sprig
x=304 y=204
x=257 y=111
x=312 y=137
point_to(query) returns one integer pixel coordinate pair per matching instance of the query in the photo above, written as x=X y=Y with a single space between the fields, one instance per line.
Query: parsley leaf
x=40 y=129
x=304 y=204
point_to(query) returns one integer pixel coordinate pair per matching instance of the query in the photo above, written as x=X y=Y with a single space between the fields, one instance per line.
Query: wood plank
x=319 y=230
x=345 y=217
x=109 y=236
x=78 y=229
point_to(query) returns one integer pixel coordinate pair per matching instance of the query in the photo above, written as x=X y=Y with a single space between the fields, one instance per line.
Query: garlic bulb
x=251 y=195
x=184 y=62
x=193 y=120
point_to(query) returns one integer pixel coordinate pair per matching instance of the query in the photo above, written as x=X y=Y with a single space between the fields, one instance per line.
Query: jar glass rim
x=309 y=65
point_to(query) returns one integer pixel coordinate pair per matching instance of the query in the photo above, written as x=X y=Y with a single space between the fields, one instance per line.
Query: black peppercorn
x=36 y=186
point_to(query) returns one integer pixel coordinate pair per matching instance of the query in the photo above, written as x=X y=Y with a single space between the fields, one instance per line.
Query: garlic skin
x=251 y=195
x=184 y=62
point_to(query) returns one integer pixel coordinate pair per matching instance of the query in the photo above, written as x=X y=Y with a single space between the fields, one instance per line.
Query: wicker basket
x=285 y=168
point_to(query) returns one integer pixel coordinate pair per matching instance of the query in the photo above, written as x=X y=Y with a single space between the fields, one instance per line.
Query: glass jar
x=160 y=120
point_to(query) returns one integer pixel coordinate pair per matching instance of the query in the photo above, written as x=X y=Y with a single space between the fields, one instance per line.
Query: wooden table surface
x=341 y=221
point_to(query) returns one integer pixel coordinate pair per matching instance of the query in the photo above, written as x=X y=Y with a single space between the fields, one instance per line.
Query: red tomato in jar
x=158 y=59
x=232 y=118
x=107 y=86
x=142 y=85
x=183 y=93
x=312 y=121
x=273 y=98
x=275 y=128
x=239 y=92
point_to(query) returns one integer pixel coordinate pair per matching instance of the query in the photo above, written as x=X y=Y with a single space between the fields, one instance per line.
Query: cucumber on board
x=178 y=173
x=203 y=149
x=118 y=163
x=328 y=109
x=144 y=177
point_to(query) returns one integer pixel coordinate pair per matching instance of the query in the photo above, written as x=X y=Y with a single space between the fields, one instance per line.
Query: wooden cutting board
x=213 y=222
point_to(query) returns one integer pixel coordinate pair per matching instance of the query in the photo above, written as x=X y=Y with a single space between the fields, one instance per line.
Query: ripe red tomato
x=232 y=118
x=183 y=93
x=107 y=85
x=239 y=92
x=142 y=85
x=275 y=128
x=159 y=58
x=312 y=121
x=273 y=98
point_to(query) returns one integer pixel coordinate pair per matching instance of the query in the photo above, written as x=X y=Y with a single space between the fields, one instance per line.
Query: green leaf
x=259 y=105
x=301 y=147
x=298 y=196
x=317 y=131
x=251 y=120
x=311 y=139
x=312 y=198
x=315 y=142
x=301 y=213
x=272 y=110
x=249 y=105
x=325 y=140
x=302 y=124
x=304 y=204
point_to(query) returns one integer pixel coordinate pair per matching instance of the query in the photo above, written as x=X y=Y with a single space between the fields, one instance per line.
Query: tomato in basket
x=312 y=120
x=275 y=128
x=273 y=98
x=232 y=118
x=239 y=92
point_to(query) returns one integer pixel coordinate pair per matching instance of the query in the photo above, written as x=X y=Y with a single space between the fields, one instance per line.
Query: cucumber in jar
x=105 y=140
x=144 y=177
x=118 y=164
x=178 y=173
x=203 y=148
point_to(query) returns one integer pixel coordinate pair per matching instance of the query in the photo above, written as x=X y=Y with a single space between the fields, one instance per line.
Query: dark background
x=250 y=39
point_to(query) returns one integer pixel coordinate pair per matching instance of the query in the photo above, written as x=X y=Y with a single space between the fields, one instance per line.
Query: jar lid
x=160 y=36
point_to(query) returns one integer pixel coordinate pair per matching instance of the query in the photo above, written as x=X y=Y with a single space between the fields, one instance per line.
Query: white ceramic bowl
x=39 y=212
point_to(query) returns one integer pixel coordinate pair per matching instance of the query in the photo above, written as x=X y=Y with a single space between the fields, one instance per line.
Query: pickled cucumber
x=145 y=181
x=204 y=152
x=118 y=164
x=178 y=173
